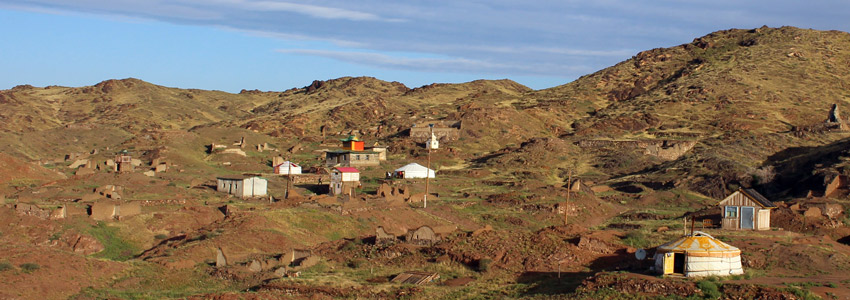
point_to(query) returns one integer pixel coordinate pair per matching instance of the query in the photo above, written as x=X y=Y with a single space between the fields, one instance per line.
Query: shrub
x=355 y=263
x=29 y=267
x=484 y=264
x=349 y=246
x=160 y=236
x=5 y=266
x=709 y=289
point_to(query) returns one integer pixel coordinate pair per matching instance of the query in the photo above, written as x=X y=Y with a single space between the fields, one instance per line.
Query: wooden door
x=668 y=263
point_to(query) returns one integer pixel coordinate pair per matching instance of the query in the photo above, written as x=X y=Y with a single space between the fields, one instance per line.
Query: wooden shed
x=746 y=209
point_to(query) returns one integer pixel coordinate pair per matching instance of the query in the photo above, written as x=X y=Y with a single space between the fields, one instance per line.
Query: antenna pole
x=569 y=188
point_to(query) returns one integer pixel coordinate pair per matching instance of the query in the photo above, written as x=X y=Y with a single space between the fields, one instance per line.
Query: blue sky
x=275 y=45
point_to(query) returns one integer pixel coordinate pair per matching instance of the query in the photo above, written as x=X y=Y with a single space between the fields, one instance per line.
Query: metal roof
x=347 y=169
x=752 y=194
x=351 y=138
x=415 y=277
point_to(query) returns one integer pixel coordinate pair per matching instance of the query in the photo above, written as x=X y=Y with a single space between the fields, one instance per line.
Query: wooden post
x=428 y=171
x=693 y=221
x=288 y=179
x=567 y=202
x=559 y=270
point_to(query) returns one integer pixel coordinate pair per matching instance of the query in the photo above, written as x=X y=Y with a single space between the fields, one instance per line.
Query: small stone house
x=346 y=158
x=124 y=163
x=746 y=209
x=243 y=186
x=344 y=180
x=380 y=149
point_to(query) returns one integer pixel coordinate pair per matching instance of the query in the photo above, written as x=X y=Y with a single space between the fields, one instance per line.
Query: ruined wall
x=664 y=149
x=443 y=130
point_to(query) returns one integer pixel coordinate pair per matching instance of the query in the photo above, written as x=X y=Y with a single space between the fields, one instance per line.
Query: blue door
x=747 y=214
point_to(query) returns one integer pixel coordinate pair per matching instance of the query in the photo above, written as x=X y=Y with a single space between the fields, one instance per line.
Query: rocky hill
x=648 y=141
x=737 y=96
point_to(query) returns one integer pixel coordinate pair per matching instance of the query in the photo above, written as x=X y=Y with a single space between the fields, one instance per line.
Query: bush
x=355 y=263
x=832 y=285
x=5 y=266
x=29 y=267
x=484 y=264
x=160 y=236
x=709 y=288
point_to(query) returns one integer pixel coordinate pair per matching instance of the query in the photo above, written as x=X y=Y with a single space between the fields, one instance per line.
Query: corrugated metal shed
x=416 y=277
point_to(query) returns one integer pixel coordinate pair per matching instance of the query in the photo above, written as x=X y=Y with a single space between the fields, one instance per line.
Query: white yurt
x=698 y=254
x=286 y=167
x=413 y=170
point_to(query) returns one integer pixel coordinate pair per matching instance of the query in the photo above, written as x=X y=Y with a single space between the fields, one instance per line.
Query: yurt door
x=747 y=217
x=668 y=263
x=679 y=263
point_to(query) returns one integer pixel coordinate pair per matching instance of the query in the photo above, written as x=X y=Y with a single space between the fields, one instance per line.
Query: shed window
x=731 y=211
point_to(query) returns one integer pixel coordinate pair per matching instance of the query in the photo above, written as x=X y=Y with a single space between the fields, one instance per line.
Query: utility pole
x=288 y=179
x=567 y=202
x=428 y=171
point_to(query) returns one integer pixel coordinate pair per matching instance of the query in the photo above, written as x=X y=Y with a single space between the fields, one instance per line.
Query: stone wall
x=664 y=149
x=443 y=130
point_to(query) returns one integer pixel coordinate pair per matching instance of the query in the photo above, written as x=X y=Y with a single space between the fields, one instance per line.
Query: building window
x=731 y=211
x=367 y=156
x=357 y=157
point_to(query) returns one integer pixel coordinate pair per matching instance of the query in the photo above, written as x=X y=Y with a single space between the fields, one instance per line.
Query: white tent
x=413 y=170
x=287 y=166
x=696 y=255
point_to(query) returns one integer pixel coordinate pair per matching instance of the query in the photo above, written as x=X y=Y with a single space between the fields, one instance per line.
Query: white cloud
x=316 y=11
x=507 y=37
x=431 y=64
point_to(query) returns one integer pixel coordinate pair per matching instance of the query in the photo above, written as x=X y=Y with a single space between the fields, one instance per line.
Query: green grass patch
x=5 y=266
x=29 y=267
x=151 y=281
x=115 y=247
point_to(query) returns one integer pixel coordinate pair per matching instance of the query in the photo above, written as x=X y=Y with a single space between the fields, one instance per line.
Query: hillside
x=647 y=142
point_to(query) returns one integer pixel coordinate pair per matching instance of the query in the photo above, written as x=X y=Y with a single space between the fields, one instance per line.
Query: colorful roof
x=700 y=244
x=347 y=169
x=351 y=138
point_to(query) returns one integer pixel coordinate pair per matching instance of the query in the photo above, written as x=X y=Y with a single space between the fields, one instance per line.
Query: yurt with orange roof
x=696 y=255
